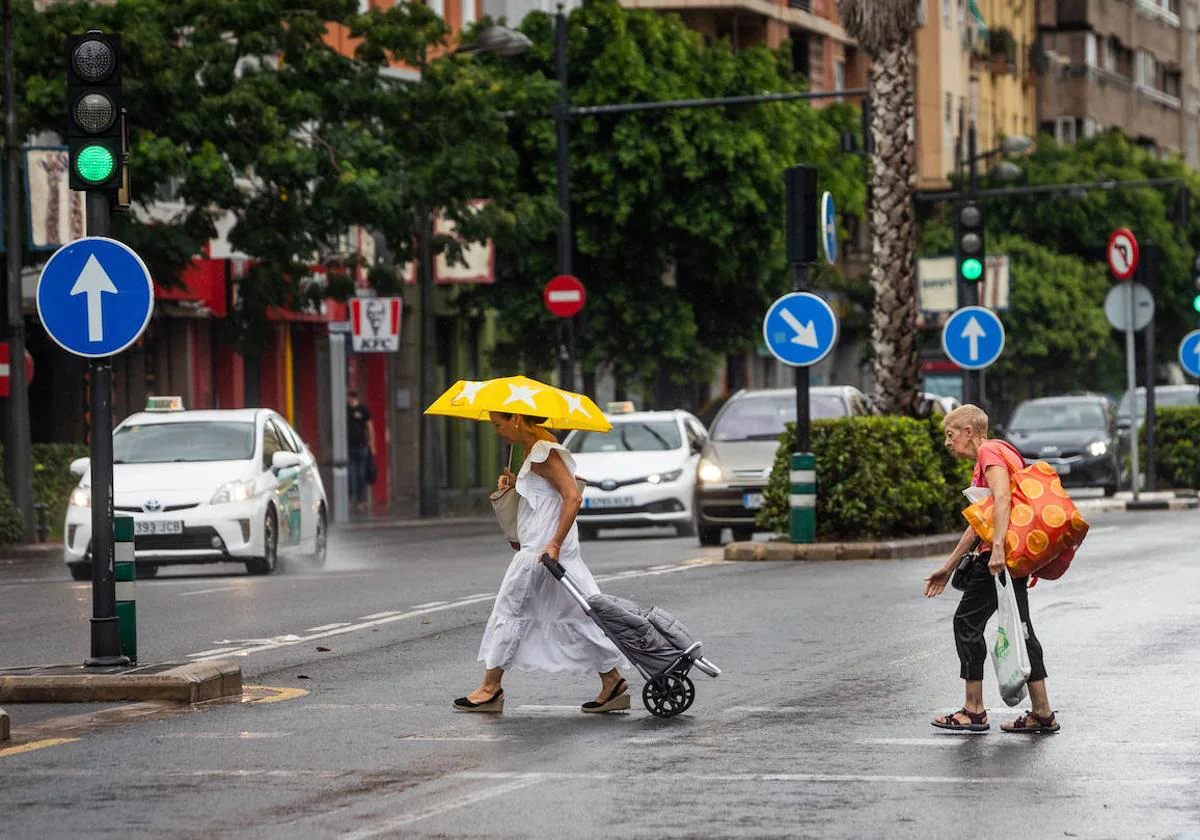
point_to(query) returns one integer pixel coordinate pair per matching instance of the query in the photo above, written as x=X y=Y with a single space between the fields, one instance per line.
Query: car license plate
x=608 y=502
x=1062 y=469
x=752 y=501
x=146 y=527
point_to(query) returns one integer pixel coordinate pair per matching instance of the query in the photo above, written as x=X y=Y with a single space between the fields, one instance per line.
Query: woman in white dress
x=536 y=625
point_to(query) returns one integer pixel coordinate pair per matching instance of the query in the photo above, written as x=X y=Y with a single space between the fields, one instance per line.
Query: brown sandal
x=978 y=721
x=1031 y=724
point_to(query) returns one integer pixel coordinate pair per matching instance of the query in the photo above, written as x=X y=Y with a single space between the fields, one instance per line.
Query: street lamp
x=497 y=40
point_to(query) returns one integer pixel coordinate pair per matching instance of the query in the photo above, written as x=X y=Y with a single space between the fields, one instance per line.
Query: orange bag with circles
x=1044 y=526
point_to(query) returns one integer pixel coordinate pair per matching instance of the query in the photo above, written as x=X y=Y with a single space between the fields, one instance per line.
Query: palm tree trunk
x=893 y=240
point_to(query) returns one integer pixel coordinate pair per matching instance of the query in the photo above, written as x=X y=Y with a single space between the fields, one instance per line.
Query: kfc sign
x=375 y=324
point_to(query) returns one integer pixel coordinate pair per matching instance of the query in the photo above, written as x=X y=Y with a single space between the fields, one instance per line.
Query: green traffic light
x=95 y=164
x=972 y=269
x=1196 y=303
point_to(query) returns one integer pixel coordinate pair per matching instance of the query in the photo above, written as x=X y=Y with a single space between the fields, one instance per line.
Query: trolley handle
x=554 y=566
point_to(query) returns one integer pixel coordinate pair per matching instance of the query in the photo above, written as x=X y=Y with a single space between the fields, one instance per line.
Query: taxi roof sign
x=164 y=403
x=620 y=407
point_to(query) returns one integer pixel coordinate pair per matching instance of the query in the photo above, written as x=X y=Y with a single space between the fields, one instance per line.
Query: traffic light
x=970 y=242
x=95 y=121
x=1196 y=281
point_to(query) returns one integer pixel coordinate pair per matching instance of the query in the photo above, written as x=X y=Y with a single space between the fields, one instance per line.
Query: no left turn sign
x=1122 y=253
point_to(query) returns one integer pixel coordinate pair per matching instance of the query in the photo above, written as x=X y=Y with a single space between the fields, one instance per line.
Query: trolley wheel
x=668 y=695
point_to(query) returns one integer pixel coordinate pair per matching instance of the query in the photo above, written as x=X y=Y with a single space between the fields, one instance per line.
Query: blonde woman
x=535 y=624
x=966 y=429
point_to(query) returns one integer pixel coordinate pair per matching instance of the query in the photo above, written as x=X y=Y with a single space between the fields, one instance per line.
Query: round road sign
x=564 y=296
x=1116 y=306
x=4 y=386
x=1122 y=253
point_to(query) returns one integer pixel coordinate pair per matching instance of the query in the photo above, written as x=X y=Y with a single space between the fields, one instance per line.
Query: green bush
x=876 y=477
x=1177 y=437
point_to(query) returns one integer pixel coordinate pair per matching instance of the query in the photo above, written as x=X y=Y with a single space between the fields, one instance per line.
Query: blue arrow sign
x=1189 y=353
x=973 y=337
x=800 y=329
x=829 y=228
x=95 y=297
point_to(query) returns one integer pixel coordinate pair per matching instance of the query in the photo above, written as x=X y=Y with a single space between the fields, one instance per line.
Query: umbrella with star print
x=520 y=395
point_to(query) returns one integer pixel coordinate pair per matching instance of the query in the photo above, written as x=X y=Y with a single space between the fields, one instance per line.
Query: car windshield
x=763 y=418
x=1041 y=417
x=156 y=443
x=1163 y=398
x=630 y=436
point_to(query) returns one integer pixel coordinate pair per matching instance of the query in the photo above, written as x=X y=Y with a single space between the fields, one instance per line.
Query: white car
x=641 y=473
x=206 y=486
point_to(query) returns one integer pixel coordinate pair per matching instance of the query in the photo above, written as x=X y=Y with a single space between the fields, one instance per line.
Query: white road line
x=325 y=627
x=480 y=737
x=430 y=604
x=223 y=650
x=249 y=646
x=374 y=616
x=674 y=779
x=523 y=780
x=209 y=591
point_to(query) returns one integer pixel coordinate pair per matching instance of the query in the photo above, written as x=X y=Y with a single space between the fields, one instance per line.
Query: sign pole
x=1149 y=269
x=1131 y=380
x=106 y=638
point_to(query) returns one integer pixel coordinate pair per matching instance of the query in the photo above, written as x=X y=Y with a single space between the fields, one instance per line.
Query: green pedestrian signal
x=972 y=269
x=95 y=164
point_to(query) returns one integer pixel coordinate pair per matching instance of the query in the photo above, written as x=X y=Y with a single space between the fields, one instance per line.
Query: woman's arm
x=935 y=584
x=997 y=480
x=555 y=471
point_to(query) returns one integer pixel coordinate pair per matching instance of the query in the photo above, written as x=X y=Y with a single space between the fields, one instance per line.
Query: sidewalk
x=818 y=552
x=1156 y=500
x=178 y=682
x=433 y=522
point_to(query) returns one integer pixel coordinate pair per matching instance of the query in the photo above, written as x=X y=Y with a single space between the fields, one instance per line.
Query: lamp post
x=562 y=108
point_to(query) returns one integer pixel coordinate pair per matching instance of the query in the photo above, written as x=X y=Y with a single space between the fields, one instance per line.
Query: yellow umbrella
x=520 y=395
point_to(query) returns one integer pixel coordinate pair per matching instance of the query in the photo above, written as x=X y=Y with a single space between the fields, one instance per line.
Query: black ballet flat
x=493 y=704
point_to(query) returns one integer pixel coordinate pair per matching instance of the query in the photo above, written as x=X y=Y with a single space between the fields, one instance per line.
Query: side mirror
x=281 y=461
x=79 y=466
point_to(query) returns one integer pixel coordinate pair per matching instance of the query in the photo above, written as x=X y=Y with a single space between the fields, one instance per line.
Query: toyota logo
x=1049 y=450
x=608 y=484
x=152 y=506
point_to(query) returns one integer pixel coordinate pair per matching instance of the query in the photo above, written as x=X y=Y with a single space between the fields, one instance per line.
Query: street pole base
x=802 y=497
x=106 y=645
x=106 y=661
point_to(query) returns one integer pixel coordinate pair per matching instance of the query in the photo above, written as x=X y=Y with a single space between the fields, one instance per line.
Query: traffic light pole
x=562 y=109
x=106 y=639
x=970 y=291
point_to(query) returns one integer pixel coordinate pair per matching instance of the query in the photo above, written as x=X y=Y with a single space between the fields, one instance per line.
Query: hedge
x=877 y=477
x=52 y=485
x=1177 y=439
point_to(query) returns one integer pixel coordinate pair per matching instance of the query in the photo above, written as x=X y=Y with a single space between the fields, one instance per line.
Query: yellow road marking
x=270 y=694
x=35 y=745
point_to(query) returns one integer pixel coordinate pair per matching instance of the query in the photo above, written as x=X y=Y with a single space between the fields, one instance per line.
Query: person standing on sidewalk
x=360 y=445
x=535 y=624
x=966 y=429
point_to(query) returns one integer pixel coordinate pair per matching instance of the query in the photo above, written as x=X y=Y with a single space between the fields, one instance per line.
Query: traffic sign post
x=565 y=296
x=973 y=337
x=1123 y=262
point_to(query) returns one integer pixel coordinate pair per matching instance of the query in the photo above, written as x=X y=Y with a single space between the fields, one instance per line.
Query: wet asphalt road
x=818 y=728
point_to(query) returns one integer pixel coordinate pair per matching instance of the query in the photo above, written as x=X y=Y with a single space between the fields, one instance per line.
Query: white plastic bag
x=1009 y=653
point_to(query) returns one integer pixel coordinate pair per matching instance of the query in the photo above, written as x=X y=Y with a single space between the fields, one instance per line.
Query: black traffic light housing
x=1196 y=281
x=970 y=248
x=95 y=118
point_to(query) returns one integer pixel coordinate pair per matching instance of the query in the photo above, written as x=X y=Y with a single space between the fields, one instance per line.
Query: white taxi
x=641 y=473
x=205 y=486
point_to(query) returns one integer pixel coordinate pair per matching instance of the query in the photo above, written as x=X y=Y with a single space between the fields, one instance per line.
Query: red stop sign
x=564 y=296
x=4 y=368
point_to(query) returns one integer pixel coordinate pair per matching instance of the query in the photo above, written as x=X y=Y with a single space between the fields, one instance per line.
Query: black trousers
x=976 y=607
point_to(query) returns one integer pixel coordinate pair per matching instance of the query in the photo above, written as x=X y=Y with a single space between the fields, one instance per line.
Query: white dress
x=536 y=624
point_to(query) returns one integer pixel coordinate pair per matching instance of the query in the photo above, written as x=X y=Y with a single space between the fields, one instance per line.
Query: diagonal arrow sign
x=973 y=332
x=806 y=334
x=94 y=282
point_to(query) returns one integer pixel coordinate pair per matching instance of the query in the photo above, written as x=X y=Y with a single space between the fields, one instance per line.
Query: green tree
x=678 y=215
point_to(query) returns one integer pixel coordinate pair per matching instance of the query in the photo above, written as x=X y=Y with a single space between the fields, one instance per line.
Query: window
x=631 y=436
x=1090 y=127
x=948 y=123
x=438 y=6
x=1110 y=54
x=839 y=75
x=468 y=13
x=962 y=13
x=364 y=6
x=159 y=443
x=1171 y=83
x=1145 y=69
x=1089 y=49
x=271 y=444
x=1064 y=130
x=946 y=7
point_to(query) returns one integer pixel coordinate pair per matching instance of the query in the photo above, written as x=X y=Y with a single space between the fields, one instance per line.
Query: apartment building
x=1124 y=64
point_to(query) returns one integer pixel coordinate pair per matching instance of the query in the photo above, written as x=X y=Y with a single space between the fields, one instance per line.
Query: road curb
x=193 y=682
x=25 y=551
x=448 y=522
x=1120 y=505
x=823 y=552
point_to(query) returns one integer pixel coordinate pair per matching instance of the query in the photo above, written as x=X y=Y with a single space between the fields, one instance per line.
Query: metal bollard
x=125 y=575
x=802 y=500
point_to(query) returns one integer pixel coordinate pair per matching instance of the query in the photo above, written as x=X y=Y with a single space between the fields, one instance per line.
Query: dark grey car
x=1077 y=435
x=736 y=460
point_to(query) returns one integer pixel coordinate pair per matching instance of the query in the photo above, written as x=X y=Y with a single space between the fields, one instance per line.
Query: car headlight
x=1097 y=448
x=709 y=472
x=665 y=478
x=234 y=491
x=81 y=496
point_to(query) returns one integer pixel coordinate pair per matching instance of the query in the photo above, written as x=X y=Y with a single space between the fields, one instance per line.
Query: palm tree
x=884 y=30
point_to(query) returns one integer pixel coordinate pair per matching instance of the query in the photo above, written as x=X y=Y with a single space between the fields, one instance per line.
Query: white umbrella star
x=522 y=393
x=575 y=403
x=468 y=392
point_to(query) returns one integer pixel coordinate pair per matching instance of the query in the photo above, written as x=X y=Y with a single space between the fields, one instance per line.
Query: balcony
x=802 y=5
x=1002 y=51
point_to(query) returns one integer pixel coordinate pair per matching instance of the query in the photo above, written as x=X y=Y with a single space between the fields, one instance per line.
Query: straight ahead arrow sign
x=972 y=332
x=94 y=281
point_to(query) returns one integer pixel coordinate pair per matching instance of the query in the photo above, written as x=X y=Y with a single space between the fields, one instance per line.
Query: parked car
x=642 y=473
x=206 y=487
x=1165 y=396
x=1077 y=435
x=736 y=461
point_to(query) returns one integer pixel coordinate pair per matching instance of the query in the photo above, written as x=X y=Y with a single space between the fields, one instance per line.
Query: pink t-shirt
x=995 y=453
